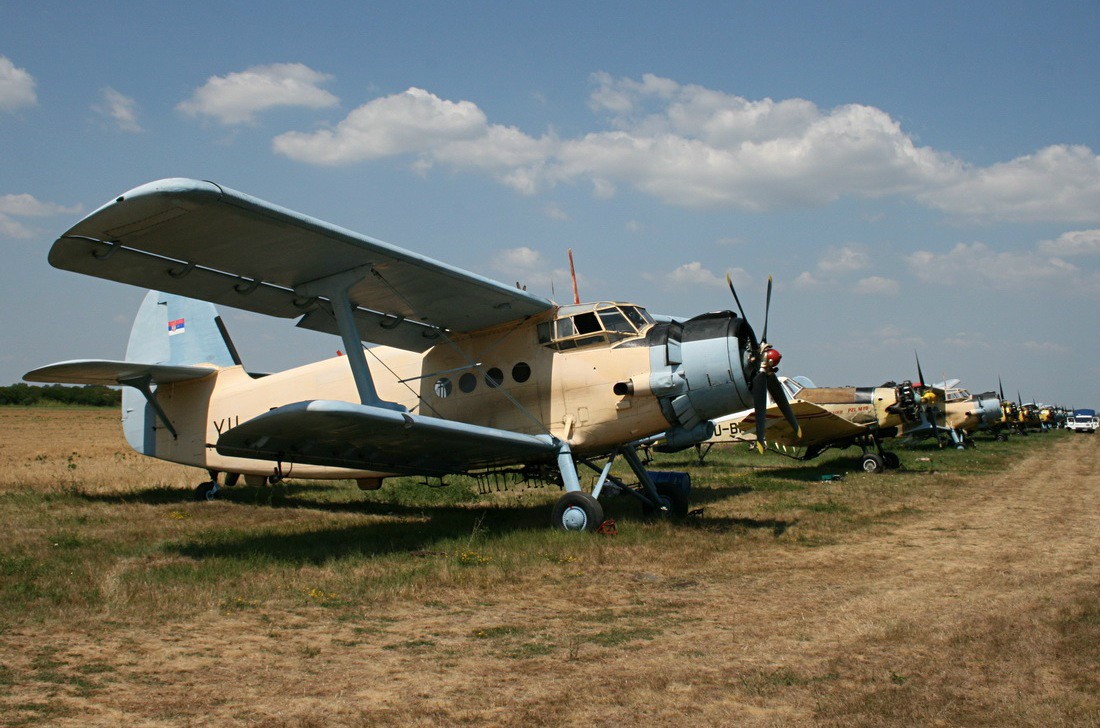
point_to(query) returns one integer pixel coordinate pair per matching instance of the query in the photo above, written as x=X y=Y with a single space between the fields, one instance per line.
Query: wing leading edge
x=364 y=437
x=201 y=240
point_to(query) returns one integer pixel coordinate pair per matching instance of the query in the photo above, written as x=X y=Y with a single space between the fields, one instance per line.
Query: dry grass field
x=962 y=590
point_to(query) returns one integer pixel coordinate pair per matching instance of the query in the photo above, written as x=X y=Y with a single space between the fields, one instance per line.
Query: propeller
x=930 y=409
x=764 y=380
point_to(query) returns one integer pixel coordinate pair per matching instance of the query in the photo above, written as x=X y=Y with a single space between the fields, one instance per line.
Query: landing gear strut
x=661 y=494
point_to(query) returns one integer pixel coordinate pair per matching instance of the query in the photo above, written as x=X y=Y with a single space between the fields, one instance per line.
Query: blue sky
x=915 y=176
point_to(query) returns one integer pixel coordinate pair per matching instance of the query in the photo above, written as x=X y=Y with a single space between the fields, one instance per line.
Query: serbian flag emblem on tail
x=175 y=327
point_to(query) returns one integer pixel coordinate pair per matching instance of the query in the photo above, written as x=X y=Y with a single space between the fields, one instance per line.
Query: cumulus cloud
x=13 y=206
x=527 y=267
x=695 y=147
x=1059 y=183
x=434 y=130
x=877 y=286
x=237 y=97
x=694 y=274
x=16 y=86
x=807 y=281
x=119 y=108
x=1078 y=242
x=843 y=260
x=979 y=264
x=27 y=206
x=835 y=269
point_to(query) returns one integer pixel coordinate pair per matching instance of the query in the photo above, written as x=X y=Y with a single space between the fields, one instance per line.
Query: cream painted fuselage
x=501 y=378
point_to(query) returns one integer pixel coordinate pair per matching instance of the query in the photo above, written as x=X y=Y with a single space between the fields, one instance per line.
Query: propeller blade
x=767 y=309
x=1002 y=387
x=760 y=406
x=729 y=281
x=920 y=374
x=779 y=396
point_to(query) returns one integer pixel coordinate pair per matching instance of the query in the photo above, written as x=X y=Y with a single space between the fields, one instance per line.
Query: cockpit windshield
x=792 y=387
x=592 y=324
x=953 y=395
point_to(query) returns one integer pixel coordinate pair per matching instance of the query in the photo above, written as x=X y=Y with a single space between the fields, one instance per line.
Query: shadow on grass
x=425 y=535
x=777 y=527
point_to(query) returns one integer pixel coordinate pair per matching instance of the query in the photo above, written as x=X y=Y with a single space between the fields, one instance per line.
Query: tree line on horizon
x=90 y=395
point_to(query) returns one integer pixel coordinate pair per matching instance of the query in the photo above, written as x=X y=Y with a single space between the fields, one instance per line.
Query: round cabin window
x=494 y=377
x=467 y=382
x=521 y=372
x=443 y=387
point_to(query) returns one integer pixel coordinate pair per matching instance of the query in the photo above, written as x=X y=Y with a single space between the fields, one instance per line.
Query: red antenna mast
x=573 y=275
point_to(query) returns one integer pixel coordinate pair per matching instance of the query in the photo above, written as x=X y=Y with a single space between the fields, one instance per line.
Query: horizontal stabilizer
x=363 y=437
x=113 y=373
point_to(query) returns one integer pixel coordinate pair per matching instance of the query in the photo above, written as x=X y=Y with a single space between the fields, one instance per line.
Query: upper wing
x=113 y=373
x=362 y=437
x=818 y=425
x=204 y=241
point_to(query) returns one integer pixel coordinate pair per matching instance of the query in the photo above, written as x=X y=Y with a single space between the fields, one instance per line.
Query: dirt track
x=978 y=610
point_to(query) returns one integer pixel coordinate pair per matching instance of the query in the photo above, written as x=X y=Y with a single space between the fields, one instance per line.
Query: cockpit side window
x=587 y=323
x=583 y=325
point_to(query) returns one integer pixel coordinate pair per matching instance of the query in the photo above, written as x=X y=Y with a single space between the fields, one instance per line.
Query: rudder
x=169 y=329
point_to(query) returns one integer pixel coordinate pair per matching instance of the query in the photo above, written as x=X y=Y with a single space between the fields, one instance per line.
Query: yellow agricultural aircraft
x=828 y=417
x=464 y=375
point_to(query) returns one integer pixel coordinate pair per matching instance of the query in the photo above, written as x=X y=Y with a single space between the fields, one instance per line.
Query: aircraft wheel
x=873 y=463
x=207 y=491
x=1002 y=437
x=577 y=511
x=891 y=460
x=232 y=478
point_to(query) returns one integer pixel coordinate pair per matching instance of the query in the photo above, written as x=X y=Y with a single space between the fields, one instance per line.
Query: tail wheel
x=207 y=491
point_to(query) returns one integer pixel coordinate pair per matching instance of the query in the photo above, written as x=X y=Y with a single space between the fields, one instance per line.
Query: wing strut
x=141 y=384
x=335 y=289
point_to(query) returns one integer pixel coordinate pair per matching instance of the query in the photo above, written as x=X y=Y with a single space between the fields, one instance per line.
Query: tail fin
x=170 y=329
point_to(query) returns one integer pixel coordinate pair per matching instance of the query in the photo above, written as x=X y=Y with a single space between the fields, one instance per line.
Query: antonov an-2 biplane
x=465 y=374
x=828 y=417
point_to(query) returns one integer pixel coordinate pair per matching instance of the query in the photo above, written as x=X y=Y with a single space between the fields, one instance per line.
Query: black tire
x=891 y=460
x=231 y=479
x=674 y=497
x=577 y=511
x=1002 y=437
x=207 y=491
x=872 y=463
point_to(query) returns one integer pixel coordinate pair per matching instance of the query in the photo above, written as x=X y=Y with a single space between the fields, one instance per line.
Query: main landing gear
x=880 y=461
x=660 y=494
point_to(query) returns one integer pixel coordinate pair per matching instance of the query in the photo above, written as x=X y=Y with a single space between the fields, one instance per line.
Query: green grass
x=153 y=552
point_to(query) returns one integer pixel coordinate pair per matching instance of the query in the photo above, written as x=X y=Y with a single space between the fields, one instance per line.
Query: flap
x=362 y=437
x=200 y=240
x=113 y=373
